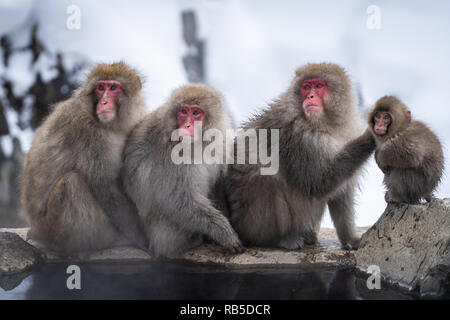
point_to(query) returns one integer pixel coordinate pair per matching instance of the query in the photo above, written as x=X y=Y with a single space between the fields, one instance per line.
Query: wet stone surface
x=16 y=255
x=327 y=253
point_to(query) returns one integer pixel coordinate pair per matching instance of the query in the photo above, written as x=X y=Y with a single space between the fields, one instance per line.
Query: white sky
x=253 y=48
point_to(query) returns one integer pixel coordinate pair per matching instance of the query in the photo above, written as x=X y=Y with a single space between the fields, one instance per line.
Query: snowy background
x=253 y=48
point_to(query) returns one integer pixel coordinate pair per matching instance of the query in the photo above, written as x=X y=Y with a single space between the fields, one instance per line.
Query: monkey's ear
x=408 y=115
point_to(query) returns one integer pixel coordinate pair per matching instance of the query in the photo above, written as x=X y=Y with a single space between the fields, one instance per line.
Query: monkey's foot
x=352 y=244
x=388 y=197
x=292 y=242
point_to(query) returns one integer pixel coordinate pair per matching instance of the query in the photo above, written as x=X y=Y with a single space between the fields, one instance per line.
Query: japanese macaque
x=70 y=186
x=321 y=152
x=177 y=200
x=408 y=152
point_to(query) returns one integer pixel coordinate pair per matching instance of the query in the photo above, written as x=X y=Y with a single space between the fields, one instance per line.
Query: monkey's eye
x=387 y=117
x=306 y=87
x=196 y=112
x=101 y=87
x=319 y=85
x=184 y=111
x=113 y=87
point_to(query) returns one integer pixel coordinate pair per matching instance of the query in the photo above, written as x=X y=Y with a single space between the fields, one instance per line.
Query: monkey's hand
x=215 y=225
x=232 y=243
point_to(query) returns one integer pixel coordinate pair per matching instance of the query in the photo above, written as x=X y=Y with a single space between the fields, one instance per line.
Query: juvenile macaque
x=408 y=152
x=178 y=202
x=70 y=186
x=321 y=151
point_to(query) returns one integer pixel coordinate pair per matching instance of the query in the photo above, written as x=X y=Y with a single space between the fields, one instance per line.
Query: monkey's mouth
x=312 y=108
x=380 y=131
x=105 y=115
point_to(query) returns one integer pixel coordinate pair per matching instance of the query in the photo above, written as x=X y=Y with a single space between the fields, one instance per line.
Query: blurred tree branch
x=31 y=108
x=194 y=59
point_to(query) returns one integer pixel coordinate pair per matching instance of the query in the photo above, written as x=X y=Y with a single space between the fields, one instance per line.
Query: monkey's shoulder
x=420 y=130
x=274 y=116
x=71 y=117
x=151 y=127
x=418 y=139
x=148 y=142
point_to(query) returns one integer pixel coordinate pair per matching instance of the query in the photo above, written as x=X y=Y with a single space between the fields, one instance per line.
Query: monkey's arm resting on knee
x=196 y=214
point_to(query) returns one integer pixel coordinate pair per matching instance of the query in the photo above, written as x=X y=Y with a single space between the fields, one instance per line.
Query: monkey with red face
x=70 y=187
x=180 y=203
x=187 y=117
x=408 y=152
x=321 y=151
x=106 y=91
x=312 y=92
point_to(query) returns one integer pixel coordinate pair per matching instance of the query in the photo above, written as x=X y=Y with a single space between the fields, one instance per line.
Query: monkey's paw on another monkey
x=408 y=152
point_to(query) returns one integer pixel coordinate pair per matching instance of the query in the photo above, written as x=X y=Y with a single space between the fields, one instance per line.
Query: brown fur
x=177 y=202
x=409 y=154
x=70 y=186
x=319 y=158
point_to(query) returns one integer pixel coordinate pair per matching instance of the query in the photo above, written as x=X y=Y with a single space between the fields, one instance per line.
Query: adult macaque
x=408 y=152
x=70 y=184
x=320 y=154
x=177 y=202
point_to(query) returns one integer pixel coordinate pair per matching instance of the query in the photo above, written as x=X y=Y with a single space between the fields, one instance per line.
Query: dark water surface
x=164 y=280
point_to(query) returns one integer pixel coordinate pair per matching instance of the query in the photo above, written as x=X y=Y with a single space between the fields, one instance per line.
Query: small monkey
x=408 y=152
x=70 y=187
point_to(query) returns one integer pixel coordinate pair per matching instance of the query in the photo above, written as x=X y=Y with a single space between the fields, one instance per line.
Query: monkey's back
x=60 y=146
x=433 y=163
x=418 y=181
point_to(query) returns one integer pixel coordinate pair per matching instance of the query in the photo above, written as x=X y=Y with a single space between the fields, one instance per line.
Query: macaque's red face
x=312 y=92
x=106 y=92
x=188 y=118
x=381 y=122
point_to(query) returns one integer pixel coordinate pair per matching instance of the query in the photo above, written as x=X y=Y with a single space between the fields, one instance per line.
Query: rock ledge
x=326 y=254
x=411 y=246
